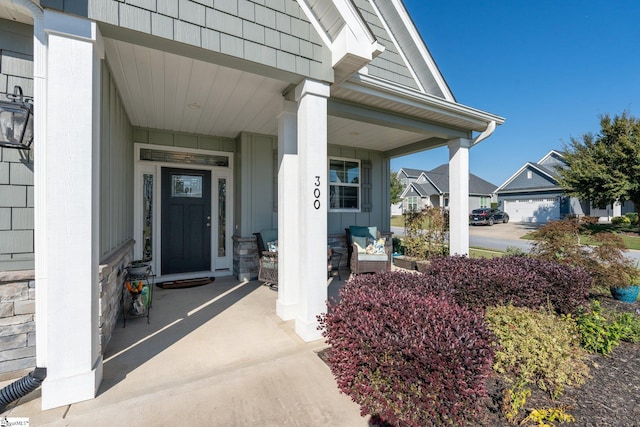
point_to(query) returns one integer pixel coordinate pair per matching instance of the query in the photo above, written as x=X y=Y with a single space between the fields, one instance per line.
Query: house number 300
x=316 y=193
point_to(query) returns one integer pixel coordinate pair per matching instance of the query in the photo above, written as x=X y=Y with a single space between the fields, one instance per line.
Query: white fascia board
x=549 y=154
x=432 y=183
x=542 y=171
x=315 y=22
x=512 y=177
x=522 y=169
x=404 y=192
x=400 y=50
x=381 y=88
x=417 y=39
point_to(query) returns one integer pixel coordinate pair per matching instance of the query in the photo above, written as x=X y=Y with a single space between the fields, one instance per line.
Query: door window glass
x=186 y=186
x=222 y=215
x=147 y=216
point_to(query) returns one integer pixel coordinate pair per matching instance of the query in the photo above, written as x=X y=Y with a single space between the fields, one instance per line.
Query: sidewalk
x=215 y=355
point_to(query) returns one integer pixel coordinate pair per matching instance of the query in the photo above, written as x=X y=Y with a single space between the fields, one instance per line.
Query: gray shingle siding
x=220 y=26
x=389 y=65
x=16 y=167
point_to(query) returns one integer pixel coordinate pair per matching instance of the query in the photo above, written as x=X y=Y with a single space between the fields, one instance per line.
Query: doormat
x=189 y=283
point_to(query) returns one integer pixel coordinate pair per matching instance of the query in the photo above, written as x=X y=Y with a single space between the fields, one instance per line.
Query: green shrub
x=601 y=332
x=598 y=334
x=535 y=347
x=620 y=220
x=633 y=217
x=629 y=324
x=514 y=251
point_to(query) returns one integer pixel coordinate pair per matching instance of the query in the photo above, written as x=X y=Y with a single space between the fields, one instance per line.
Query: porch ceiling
x=171 y=92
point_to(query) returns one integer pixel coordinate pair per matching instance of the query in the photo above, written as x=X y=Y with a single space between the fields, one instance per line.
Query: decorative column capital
x=460 y=143
x=311 y=87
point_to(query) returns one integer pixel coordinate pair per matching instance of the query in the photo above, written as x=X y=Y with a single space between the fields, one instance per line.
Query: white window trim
x=359 y=185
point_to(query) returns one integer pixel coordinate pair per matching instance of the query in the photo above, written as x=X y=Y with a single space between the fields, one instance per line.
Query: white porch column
x=312 y=205
x=290 y=240
x=459 y=196
x=67 y=256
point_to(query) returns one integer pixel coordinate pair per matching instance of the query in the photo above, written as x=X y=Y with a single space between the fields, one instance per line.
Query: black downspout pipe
x=21 y=387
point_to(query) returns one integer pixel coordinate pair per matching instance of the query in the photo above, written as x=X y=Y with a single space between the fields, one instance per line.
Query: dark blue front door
x=186 y=220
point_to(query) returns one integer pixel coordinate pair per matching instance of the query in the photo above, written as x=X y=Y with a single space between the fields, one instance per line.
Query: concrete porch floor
x=214 y=355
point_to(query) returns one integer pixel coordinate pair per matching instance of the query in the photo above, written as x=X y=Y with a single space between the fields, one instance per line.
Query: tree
x=396 y=188
x=605 y=167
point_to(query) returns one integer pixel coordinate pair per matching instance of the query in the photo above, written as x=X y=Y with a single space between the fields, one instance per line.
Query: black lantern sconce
x=16 y=121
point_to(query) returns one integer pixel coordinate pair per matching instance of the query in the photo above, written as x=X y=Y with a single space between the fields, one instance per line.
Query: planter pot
x=405 y=262
x=628 y=294
x=422 y=265
x=138 y=268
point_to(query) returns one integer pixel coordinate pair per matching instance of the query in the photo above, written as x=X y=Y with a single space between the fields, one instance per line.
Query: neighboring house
x=431 y=188
x=532 y=194
x=173 y=131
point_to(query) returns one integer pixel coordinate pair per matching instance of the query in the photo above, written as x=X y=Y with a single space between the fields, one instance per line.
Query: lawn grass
x=397 y=221
x=484 y=253
x=632 y=242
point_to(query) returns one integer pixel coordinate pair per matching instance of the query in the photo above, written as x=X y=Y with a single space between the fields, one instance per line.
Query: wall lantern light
x=16 y=121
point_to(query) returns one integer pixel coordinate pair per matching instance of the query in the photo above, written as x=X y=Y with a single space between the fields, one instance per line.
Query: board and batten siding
x=116 y=168
x=16 y=166
x=537 y=180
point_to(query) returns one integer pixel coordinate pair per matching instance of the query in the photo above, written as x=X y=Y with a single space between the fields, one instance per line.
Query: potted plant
x=138 y=267
x=561 y=241
x=614 y=269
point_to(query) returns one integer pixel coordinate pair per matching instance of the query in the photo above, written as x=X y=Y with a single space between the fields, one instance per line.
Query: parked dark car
x=487 y=216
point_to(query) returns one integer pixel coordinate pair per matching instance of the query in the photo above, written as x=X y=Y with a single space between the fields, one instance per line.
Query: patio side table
x=137 y=295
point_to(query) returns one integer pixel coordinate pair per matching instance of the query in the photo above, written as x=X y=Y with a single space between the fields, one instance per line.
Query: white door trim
x=220 y=266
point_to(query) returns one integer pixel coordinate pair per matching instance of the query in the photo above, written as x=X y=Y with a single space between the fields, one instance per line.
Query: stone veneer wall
x=17 y=322
x=17 y=312
x=245 y=258
x=111 y=280
x=245 y=254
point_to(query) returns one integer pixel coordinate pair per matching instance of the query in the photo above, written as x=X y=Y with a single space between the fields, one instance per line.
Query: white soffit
x=166 y=91
x=11 y=12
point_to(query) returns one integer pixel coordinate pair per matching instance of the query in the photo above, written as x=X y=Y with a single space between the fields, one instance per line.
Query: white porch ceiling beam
x=370 y=86
x=369 y=115
x=416 y=147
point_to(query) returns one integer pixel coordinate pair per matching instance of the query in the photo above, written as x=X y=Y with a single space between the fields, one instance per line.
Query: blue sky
x=550 y=68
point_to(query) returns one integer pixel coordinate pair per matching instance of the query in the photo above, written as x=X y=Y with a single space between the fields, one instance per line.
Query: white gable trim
x=353 y=45
x=400 y=50
x=522 y=169
x=420 y=45
x=431 y=181
x=549 y=154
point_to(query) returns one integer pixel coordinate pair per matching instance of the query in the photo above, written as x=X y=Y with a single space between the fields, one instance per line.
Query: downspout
x=21 y=387
x=491 y=127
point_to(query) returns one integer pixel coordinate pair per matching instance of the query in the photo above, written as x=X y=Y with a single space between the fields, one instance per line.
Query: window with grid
x=344 y=184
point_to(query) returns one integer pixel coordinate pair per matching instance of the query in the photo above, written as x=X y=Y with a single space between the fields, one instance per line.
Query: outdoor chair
x=367 y=252
x=267 y=241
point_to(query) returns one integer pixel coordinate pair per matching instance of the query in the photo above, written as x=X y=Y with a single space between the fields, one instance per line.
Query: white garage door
x=532 y=210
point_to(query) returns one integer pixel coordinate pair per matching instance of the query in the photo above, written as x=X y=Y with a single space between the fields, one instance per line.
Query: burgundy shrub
x=405 y=351
x=521 y=281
